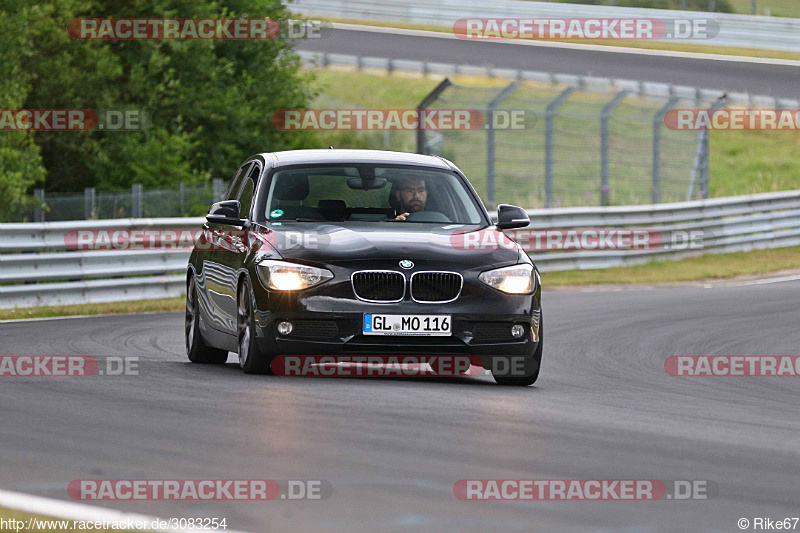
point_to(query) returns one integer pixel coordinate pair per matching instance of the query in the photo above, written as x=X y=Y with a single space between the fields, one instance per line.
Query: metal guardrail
x=745 y=31
x=721 y=225
x=594 y=84
x=36 y=269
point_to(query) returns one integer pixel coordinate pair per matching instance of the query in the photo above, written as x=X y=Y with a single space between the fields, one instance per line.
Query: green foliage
x=209 y=101
x=20 y=162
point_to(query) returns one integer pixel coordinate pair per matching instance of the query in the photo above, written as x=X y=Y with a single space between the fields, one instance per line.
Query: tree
x=20 y=161
x=209 y=101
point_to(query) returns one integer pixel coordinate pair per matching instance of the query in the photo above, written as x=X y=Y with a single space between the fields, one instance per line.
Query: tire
x=250 y=359
x=196 y=348
x=532 y=365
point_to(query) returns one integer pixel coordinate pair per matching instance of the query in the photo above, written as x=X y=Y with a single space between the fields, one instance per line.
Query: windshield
x=366 y=193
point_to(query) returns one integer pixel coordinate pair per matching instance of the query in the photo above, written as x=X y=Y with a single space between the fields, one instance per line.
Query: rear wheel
x=250 y=359
x=196 y=348
x=532 y=365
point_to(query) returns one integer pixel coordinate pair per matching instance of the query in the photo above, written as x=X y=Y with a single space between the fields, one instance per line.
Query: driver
x=412 y=195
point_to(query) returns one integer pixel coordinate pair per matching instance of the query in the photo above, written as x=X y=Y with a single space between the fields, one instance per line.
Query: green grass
x=646 y=45
x=9 y=514
x=775 y=8
x=111 y=308
x=749 y=162
x=705 y=268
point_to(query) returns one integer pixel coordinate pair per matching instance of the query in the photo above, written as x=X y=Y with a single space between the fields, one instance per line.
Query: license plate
x=411 y=325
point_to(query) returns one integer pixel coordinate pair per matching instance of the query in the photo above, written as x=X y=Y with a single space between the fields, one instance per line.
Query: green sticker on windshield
x=276 y=213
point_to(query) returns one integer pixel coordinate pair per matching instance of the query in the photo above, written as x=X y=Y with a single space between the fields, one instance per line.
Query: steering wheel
x=427 y=216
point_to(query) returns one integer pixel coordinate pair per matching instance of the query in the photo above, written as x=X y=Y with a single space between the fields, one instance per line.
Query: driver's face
x=412 y=195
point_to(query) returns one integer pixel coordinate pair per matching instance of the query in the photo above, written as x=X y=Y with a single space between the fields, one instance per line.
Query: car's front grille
x=314 y=329
x=435 y=286
x=379 y=285
x=492 y=331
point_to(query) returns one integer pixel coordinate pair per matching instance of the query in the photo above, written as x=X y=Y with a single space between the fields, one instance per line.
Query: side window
x=246 y=196
x=236 y=182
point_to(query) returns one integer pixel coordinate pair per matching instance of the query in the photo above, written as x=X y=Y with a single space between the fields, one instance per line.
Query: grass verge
x=645 y=45
x=706 y=268
x=110 y=308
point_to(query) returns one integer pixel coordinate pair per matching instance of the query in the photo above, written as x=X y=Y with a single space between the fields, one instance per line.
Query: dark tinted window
x=236 y=183
x=246 y=195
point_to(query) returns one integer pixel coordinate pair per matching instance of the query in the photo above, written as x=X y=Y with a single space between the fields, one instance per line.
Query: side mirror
x=511 y=217
x=226 y=212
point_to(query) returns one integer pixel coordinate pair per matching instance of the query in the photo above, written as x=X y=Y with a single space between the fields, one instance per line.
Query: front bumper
x=330 y=317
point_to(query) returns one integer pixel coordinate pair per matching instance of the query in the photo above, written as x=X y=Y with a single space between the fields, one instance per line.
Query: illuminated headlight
x=283 y=276
x=516 y=279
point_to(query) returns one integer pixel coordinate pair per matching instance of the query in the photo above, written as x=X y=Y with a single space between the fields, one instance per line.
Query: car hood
x=351 y=242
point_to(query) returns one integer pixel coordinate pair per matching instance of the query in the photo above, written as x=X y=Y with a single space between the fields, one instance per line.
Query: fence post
x=182 y=197
x=136 y=200
x=605 y=115
x=657 y=120
x=490 y=144
x=218 y=188
x=88 y=202
x=38 y=212
x=702 y=157
x=426 y=102
x=550 y=114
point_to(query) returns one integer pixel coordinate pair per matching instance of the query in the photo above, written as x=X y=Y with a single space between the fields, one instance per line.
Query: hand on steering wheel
x=402 y=217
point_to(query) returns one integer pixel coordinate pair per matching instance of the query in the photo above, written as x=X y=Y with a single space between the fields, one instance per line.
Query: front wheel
x=250 y=360
x=532 y=365
x=196 y=348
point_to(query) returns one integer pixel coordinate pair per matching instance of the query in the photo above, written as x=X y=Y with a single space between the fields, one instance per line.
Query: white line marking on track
x=76 y=511
x=766 y=281
x=575 y=46
x=15 y=320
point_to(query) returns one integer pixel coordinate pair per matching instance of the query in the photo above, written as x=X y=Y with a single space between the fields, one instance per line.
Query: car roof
x=295 y=157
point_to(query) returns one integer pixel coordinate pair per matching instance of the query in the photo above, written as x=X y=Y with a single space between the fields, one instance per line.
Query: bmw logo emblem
x=405 y=263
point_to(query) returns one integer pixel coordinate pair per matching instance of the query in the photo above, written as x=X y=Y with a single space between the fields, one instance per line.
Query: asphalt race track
x=767 y=79
x=604 y=407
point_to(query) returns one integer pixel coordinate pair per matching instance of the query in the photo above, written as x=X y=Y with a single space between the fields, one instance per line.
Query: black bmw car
x=342 y=252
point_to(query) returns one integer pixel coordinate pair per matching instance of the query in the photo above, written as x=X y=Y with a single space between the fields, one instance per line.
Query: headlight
x=282 y=276
x=516 y=279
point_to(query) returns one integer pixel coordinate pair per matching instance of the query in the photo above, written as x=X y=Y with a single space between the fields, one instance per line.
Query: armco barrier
x=595 y=84
x=37 y=269
x=745 y=31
